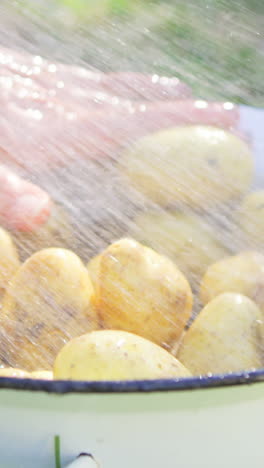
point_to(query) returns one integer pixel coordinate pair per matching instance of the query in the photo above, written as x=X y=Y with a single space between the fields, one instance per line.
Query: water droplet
x=155 y=79
x=35 y=114
x=100 y=96
x=228 y=105
x=14 y=66
x=71 y=115
x=37 y=60
x=28 y=82
x=52 y=68
x=60 y=84
x=24 y=69
x=120 y=342
x=199 y=104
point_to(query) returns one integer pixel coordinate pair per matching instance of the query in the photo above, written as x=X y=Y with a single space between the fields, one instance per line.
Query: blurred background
x=217 y=46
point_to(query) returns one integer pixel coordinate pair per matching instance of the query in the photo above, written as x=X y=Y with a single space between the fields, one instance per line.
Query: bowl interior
x=252 y=121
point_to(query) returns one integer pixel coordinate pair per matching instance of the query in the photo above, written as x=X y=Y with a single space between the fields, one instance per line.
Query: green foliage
x=214 y=45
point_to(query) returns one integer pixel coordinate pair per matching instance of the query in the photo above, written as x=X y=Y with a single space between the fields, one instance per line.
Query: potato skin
x=9 y=260
x=186 y=239
x=196 y=165
x=250 y=218
x=227 y=336
x=242 y=273
x=94 y=268
x=115 y=355
x=49 y=301
x=142 y=292
x=42 y=375
x=13 y=372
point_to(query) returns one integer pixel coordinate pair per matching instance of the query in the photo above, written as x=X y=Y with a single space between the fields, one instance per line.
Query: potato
x=115 y=355
x=243 y=273
x=9 y=261
x=48 y=302
x=11 y=372
x=227 y=336
x=250 y=218
x=142 y=292
x=187 y=239
x=197 y=165
x=42 y=375
x=93 y=269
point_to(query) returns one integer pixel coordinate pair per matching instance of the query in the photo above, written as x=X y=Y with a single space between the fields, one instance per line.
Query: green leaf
x=119 y=6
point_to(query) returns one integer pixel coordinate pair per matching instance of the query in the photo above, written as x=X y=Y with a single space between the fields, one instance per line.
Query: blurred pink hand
x=51 y=115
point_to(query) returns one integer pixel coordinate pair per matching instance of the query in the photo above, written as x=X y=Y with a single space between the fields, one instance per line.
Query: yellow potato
x=197 y=165
x=93 y=269
x=48 y=302
x=12 y=372
x=56 y=232
x=227 y=336
x=251 y=219
x=115 y=355
x=243 y=273
x=187 y=239
x=142 y=292
x=42 y=375
x=9 y=261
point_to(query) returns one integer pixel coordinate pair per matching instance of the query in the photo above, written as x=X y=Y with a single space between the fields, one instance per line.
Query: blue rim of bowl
x=133 y=386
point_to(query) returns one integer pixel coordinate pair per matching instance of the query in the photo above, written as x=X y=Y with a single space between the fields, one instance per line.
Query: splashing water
x=127 y=134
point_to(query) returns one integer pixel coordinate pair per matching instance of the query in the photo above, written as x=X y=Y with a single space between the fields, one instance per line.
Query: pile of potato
x=180 y=300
